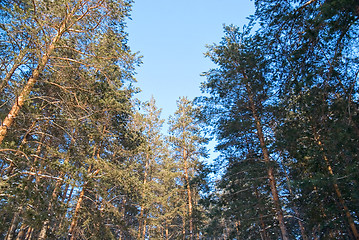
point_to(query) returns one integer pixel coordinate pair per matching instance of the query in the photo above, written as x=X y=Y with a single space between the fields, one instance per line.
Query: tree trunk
x=166 y=230
x=12 y=229
x=20 y=100
x=301 y=225
x=29 y=233
x=144 y=229
x=184 y=227
x=141 y=220
x=76 y=213
x=272 y=181
x=78 y=207
x=55 y=193
x=11 y=232
x=263 y=231
x=337 y=190
x=189 y=194
x=21 y=234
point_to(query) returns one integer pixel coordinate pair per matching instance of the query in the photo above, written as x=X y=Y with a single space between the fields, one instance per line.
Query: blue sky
x=171 y=36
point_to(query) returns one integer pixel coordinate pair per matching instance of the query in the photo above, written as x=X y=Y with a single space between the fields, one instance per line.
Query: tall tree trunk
x=300 y=223
x=22 y=232
x=76 y=213
x=237 y=224
x=14 y=222
x=63 y=215
x=263 y=231
x=29 y=233
x=337 y=189
x=184 y=227
x=54 y=196
x=272 y=181
x=189 y=194
x=144 y=229
x=75 y=217
x=141 y=219
x=20 y=100
x=166 y=230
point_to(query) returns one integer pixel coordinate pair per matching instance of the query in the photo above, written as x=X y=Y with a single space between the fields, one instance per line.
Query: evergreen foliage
x=80 y=158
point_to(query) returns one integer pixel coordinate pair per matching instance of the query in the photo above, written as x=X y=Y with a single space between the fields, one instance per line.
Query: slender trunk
x=263 y=232
x=166 y=230
x=189 y=194
x=54 y=196
x=11 y=232
x=140 y=223
x=63 y=216
x=272 y=181
x=75 y=217
x=141 y=220
x=315 y=231
x=29 y=233
x=225 y=230
x=184 y=227
x=14 y=222
x=238 y=223
x=144 y=228
x=76 y=213
x=22 y=232
x=337 y=190
x=123 y=213
x=20 y=100
x=301 y=225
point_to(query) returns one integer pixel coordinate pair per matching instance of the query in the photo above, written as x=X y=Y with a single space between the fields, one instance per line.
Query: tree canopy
x=82 y=158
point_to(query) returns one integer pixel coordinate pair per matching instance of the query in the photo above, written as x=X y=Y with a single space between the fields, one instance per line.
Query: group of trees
x=283 y=104
x=81 y=158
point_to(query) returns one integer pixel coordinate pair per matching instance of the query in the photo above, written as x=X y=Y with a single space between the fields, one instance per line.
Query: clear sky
x=172 y=35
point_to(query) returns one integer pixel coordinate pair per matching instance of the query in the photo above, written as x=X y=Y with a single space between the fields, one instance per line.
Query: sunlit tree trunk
x=272 y=180
x=22 y=232
x=142 y=221
x=189 y=194
x=54 y=196
x=20 y=100
x=75 y=216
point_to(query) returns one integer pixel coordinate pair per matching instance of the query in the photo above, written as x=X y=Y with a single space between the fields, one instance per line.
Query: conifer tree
x=188 y=145
x=66 y=151
x=311 y=46
x=237 y=107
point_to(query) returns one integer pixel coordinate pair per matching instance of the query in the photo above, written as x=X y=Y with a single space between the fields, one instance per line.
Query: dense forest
x=82 y=158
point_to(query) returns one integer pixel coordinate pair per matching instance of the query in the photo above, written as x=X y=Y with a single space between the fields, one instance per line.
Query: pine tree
x=188 y=146
x=71 y=140
x=312 y=49
x=238 y=104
